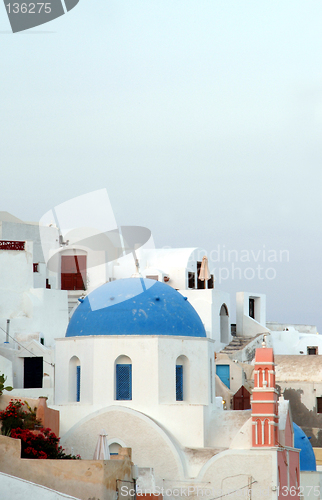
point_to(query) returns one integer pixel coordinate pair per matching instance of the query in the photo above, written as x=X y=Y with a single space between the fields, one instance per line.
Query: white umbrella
x=204 y=274
x=102 y=451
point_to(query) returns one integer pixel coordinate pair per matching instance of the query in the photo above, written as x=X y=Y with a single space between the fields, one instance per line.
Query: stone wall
x=83 y=479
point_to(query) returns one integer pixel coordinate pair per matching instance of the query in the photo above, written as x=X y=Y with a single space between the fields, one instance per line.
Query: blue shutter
x=179 y=383
x=223 y=373
x=124 y=382
x=78 y=380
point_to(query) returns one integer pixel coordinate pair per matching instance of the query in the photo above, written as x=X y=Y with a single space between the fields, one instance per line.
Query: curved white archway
x=74 y=392
x=224 y=324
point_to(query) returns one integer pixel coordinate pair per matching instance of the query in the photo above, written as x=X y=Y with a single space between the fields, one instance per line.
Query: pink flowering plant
x=43 y=444
x=18 y=414
x=19 y=420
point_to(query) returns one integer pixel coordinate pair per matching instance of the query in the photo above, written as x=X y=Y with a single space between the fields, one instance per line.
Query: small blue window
x=179 y=383
x=124 y=382
x=78 y=380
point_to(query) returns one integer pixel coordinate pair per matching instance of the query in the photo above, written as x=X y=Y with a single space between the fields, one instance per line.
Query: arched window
x=257 y=430
x=260 y=378
x=224 y=324
x=114 y=448
x=266 y=377
x=267 y=430
x=297 y=482
x=114 y=445
x=182 y=378
x=123 y=378
x=74 y=379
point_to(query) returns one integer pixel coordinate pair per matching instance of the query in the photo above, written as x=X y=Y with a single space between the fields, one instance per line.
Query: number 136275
x=28 y=8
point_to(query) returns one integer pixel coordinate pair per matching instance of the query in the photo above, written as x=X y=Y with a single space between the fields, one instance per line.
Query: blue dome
x=302 y=442
x=135 y=306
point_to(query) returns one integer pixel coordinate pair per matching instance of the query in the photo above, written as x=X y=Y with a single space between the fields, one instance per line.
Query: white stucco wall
x=299 y=327
x=224 y=426
x=311 y=483
x=13 y=488
x=30 y=231
x=33 y=312
x=6 y=369
x=38 y=313
x=291 y=341
x=174 y=466
x=175 y=262
x=151 y=444
x=16 y=356
x=172 y=262
x=208 y=304
x=16 y=273
x=247 y=326
x=153 y=379
x=233 y=470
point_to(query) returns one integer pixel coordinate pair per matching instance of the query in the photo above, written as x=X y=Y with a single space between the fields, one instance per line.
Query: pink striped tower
x=264 y=402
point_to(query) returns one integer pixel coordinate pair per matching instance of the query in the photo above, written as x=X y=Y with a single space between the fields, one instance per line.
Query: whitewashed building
x=42 y=276
x=137 y=361
x=32 y=313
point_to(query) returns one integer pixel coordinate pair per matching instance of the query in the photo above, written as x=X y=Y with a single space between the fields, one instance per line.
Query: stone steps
x=73 y=297
x=237 y=344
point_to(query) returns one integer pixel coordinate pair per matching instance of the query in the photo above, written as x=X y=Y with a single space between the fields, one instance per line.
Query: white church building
x=137 y=361
x=138 y=343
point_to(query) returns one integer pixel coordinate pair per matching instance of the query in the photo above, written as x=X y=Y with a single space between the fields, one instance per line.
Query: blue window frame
x=179 y=383
x=123 y=382
x=78 y=380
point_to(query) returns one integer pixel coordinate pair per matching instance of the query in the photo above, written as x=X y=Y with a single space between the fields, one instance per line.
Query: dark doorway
x=32 y=373
x=319 y=405
x=252 y=308
x=73 y=272
x=191 y=280
x=200 y=284
x=241 y=400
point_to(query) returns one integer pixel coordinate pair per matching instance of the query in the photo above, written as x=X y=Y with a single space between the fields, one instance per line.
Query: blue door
x=223 y=372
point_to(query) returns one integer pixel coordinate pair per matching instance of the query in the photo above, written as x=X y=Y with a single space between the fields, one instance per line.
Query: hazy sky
x=202 y=118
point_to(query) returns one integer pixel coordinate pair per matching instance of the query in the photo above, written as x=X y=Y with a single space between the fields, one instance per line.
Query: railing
x=12 y=245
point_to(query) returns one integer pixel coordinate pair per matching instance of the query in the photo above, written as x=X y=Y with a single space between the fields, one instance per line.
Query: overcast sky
x=201 y=118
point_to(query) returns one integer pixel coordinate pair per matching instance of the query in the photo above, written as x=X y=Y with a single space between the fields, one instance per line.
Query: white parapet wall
x=13 y=488
x=213 y=307
x=310 y=482
x=250 y=314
